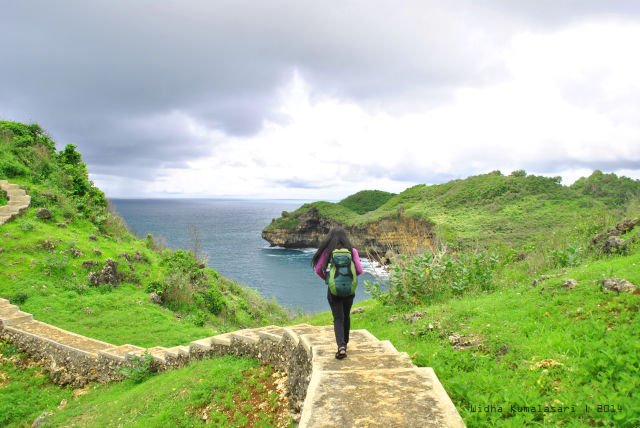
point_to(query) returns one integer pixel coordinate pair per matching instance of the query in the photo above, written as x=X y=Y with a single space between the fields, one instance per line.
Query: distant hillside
x=514 y=209
x=366 y=200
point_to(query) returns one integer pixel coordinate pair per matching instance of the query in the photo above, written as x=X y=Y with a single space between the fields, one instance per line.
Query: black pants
x=341 y=310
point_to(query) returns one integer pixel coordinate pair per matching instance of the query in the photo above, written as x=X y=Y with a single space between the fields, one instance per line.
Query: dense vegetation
x=366 y=200
x=489 y=209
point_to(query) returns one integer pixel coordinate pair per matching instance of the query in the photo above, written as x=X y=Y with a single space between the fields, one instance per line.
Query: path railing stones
x=18 y=201
x=374 y=386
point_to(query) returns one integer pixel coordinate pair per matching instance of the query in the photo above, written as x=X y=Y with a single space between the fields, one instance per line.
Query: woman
x=340 y=306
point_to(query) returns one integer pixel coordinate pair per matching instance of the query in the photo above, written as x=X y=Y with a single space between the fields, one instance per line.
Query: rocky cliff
x=380 y=239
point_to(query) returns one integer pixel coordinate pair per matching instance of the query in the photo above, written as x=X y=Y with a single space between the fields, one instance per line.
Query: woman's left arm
x=356 y=262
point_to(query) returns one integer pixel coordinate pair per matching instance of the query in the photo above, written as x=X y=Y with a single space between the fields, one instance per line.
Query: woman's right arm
x=322 y=261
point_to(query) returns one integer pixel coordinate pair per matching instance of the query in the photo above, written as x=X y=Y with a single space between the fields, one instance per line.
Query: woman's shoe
x=342 y=353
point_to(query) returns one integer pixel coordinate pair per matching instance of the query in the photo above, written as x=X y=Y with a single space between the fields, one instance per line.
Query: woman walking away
x=338 y=263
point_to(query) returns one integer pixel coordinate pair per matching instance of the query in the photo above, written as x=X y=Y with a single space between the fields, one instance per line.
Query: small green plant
x=197 y=318
x=567 y=257
x=56 y=263
x=139 y=368
x=26 y=225
x=19 y=298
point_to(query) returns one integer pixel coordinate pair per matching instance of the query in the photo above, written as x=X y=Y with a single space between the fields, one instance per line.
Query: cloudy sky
x=319 y=99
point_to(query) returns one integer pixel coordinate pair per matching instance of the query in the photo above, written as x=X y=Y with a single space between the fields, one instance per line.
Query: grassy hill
x=502 y=352
x=493 y=208
x=366 y=201
x=53 y=260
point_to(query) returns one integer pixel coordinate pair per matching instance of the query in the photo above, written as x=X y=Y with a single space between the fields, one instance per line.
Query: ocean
x=229 y=232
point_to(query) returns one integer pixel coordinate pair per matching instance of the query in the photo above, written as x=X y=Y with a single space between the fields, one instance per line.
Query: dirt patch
x=264 y=394
x=464 y=341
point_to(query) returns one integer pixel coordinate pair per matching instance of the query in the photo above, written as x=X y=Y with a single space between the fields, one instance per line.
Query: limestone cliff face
x=380 y=239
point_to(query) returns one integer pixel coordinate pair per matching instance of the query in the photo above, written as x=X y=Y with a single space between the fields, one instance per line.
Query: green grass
x=592 y=335
x=225 y=391
x=3 y=198
x=43 y=261
x=168 y=399
x=25 y=391
x=494 y=209
x=366 y=200
x=41 y=272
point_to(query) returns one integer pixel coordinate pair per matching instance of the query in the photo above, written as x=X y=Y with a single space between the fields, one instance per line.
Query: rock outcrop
x=380 y=239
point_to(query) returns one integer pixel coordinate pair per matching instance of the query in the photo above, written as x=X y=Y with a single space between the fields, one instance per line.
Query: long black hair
x=336 y=238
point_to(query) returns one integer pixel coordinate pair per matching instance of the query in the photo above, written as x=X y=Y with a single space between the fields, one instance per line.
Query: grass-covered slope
x=54 y=265
x=524 y=355
x=223 y=391
x=366 y=200
x=494 y=208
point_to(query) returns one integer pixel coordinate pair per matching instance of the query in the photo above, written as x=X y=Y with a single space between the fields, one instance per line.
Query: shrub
x=12 y=169
x=19 y=298
x=56 y=263
x=569 y=256
x=139 y=368
x=439 y=274
x=213 y=300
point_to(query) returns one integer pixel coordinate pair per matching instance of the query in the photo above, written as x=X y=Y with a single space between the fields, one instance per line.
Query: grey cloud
x=298 y=183
x=87 y=70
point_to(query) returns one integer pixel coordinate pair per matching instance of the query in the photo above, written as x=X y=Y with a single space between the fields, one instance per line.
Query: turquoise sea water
x=230 y=237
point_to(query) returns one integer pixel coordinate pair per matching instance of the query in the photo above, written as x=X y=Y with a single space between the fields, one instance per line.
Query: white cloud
x=567 y=105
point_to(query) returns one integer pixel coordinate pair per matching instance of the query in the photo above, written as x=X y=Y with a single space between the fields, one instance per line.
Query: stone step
x=178 y=351
x=4 y=302
x=401 y=397
x=327 y=337
x=309 y=329
x=18 y=203
x=8 y=309
x=158 y=353
x=272 y=333
x=122 y=353
x=4 y=218
x=7 y=210
x=202 y=345
x=15 y=193
x=15 y=318
x=358 y=359
x=251 y=336
x=63 y=337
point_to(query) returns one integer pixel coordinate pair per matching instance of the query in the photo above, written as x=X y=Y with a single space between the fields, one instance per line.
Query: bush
x=139 y=369
x=437 y=275
x=567 y=257
x=12 y=169
x=26 y=225
x=19 y=298
x=213 y=300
